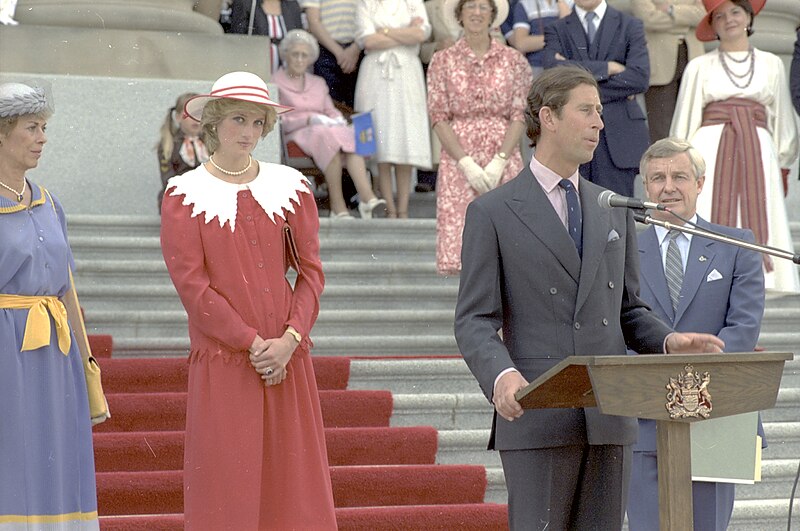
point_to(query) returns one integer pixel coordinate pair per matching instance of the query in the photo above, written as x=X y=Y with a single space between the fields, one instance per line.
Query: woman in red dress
x=255 y=456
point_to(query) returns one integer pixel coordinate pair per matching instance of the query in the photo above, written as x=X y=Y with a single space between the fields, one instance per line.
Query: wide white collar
x=276 y=188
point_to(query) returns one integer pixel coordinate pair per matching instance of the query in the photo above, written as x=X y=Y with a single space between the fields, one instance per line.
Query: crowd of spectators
x=655 y=79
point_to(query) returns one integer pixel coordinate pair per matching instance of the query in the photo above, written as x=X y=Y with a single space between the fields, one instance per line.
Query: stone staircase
x=384 y=298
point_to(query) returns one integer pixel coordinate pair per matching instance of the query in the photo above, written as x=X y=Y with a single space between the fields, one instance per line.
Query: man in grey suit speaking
x=542 y=261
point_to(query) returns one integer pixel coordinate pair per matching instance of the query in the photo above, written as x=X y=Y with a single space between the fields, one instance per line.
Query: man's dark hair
x=551 y=89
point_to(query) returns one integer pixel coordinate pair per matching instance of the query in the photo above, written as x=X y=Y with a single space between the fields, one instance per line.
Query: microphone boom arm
x=643 y=217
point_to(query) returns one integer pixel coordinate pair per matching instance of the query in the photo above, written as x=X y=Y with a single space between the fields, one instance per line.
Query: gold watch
x=294 y=333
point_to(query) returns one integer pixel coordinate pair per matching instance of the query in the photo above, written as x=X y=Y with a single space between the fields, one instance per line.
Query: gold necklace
x=226 y=172
x=18 y=194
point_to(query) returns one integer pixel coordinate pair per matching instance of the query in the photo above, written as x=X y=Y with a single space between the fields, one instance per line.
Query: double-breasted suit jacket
x=620 y=37
x=521 y=272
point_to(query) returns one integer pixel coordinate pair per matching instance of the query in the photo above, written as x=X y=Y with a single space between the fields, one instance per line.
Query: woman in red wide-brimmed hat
x=255 y=456
x=734 y=107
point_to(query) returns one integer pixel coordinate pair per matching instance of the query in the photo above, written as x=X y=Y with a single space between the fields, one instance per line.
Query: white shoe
x=365 y=209
x=341 y=215
x=6 y=20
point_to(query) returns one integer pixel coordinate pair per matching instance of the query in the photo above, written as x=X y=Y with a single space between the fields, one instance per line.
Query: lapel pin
x=702 y=258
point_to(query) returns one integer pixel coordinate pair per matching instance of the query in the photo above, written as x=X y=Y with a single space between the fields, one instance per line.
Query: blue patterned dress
x=47 y=480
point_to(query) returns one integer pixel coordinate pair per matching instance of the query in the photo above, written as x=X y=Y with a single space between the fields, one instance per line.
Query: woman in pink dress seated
x=318 y=127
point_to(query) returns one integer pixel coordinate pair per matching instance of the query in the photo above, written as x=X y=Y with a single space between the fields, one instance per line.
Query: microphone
x=609 y=199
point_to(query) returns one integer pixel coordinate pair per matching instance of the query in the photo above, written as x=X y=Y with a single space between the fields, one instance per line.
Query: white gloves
x=476 y=176
x=321 y=119
x=494 y=170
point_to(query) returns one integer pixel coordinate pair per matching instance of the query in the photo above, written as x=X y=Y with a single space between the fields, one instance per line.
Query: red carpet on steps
x=384 y=478
x=167 y=411
x=470 y=517
x=163 y=450
x=154 y=375
x=162 y=491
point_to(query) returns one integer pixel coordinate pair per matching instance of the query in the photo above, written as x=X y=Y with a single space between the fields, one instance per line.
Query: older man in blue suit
x=612 y=46
x=692 y=283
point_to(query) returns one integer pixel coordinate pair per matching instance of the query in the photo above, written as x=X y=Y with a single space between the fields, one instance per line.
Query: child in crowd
x=180 y=148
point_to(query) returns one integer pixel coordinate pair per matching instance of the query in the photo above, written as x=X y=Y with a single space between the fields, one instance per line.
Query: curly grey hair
x=298 y=36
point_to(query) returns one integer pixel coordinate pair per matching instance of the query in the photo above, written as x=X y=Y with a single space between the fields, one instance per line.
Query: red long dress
x=255 y=456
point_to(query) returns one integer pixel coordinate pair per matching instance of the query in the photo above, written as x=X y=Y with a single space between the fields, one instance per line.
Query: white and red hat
x=244 y=86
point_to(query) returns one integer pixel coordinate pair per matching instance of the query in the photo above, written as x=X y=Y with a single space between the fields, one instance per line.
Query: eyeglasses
x=483 y=8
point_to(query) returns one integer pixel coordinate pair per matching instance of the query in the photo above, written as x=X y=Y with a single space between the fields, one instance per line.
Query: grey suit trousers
x=575 y=488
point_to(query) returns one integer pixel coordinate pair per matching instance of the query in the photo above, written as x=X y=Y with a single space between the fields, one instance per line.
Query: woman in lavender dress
x=46 y=461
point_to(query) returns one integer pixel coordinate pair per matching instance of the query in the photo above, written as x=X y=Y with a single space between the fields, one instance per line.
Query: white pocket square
x=714 y=275
x=612 y=235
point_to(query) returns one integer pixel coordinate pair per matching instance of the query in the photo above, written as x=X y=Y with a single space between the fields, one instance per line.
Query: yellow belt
x=37 y=326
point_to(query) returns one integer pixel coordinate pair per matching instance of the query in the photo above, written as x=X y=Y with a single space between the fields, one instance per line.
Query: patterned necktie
x=574 y=216
x=590 y=29
x=673 y=268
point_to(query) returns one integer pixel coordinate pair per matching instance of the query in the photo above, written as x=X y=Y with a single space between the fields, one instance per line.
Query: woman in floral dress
x=477 y=90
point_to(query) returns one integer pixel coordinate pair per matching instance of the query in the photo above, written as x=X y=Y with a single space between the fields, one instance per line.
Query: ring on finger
x=268 y=371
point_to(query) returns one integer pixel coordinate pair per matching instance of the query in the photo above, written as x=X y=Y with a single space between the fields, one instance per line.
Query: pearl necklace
x=231 y=173
x=18 y=194
x=751 y=56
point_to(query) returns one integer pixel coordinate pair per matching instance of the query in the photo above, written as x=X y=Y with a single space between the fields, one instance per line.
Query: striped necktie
x=673 y=269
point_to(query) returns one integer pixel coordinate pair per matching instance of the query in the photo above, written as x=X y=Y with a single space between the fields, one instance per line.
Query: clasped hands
x=270 y=357
x=483 y=179
x=321 y=119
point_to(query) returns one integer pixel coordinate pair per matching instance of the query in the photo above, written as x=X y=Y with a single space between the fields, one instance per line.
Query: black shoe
x=423 y=188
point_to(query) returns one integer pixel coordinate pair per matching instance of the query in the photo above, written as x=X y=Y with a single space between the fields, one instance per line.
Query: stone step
x=763 y=515
x=781 y=319
x=443 y=411
x=423 y=376
x=783 y=439
x=348 y=246
x=496 y=491
x=140 y=272
x=336 y=345
x=466 y=447
x=785 y=409
x=150 y=226
x=749 y=514
x=777 y=476
x=375 y=323
x=158 y=297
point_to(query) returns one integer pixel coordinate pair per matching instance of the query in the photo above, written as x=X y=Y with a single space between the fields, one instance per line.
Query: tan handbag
x=98 y=405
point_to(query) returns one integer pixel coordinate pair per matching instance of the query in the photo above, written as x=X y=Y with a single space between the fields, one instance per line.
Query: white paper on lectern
x=727 y=449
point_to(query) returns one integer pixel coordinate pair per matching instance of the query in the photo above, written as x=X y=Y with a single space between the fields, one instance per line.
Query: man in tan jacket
x=669 y=28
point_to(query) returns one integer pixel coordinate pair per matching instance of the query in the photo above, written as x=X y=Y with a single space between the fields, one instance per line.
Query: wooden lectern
x=675 y=390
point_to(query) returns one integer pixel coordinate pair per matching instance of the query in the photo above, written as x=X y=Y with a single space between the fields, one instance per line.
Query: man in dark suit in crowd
x=692 y=284
x=542 y=261
x=794 y=76
x=611 y=45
